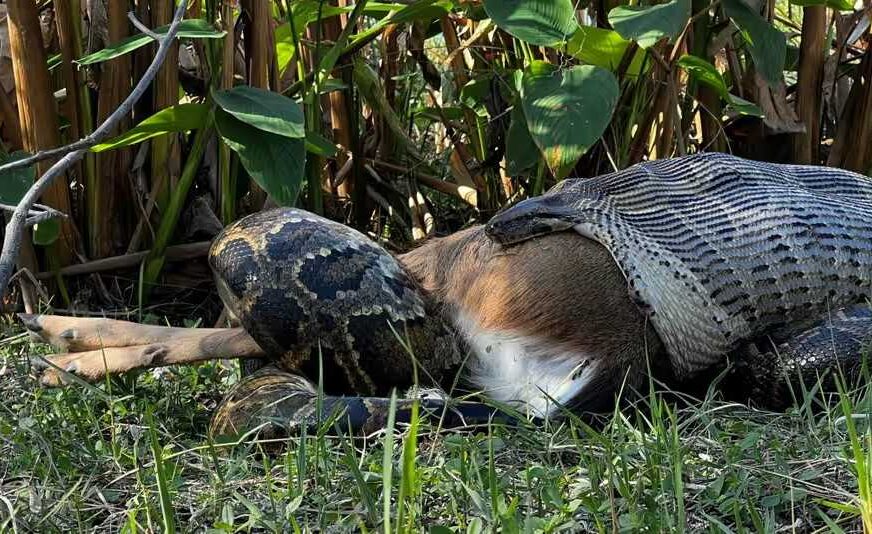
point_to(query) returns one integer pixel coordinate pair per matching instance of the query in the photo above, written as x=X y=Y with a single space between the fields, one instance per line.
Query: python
x=668 y=270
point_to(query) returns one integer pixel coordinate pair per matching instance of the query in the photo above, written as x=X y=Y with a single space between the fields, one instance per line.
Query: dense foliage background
x=403 y=119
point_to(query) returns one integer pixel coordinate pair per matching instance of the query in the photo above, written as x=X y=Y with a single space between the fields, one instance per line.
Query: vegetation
x=404 y=120
x=132 y=455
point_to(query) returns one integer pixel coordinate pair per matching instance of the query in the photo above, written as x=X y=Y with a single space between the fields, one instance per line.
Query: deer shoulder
x=549 y=318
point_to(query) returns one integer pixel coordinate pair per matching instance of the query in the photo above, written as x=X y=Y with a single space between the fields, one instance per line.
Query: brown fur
x=562 y=286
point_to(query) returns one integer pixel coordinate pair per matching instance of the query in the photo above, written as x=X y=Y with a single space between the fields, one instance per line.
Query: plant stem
x=155 y=260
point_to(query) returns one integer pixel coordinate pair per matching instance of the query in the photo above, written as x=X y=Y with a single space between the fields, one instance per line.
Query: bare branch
x=37 y=215
x=142 y=27
x=93 y=138
x=18 y=221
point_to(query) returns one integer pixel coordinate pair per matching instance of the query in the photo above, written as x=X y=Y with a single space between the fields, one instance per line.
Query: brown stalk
x=806 y=145
x=852 y=146
x=37 y=114
x=107 y=221
x=461 y=78
x=11 y=126
x=187 y=251
x=257 y=35
x=15 y=228
x=338 y=107
x=78 y=102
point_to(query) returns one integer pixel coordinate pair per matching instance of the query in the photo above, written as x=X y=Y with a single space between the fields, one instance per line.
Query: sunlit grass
x=135 y=456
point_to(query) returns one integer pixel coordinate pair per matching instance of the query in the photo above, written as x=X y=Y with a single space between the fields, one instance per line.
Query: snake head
x=531 y=218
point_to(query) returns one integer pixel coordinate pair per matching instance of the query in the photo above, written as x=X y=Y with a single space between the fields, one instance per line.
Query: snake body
x=766 y=265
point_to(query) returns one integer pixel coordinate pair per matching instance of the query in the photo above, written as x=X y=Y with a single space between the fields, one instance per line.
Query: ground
x=132 y=454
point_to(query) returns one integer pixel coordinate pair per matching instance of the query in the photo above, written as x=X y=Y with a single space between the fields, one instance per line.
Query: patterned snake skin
x=766 y=265
x=323 y=298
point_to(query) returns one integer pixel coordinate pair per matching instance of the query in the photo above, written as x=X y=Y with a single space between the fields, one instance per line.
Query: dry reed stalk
x=806 y=145
x=37 y=112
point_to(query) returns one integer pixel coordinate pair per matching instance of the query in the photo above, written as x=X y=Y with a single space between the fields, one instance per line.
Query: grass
x=132 y=455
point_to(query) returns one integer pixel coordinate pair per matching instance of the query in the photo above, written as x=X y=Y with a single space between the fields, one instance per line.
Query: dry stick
x=38 y=215
x=187 y=251
x=74 y=152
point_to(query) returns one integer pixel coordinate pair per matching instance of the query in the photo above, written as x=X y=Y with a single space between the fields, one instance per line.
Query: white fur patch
x=524 y=370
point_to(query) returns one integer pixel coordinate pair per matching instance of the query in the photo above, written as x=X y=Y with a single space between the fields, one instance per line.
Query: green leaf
x=475 y=93
x=538 y=22
x=839 y=5
x=744 y=107
x=521 y=151
x=285 y=47
x=15 y=183
x=46 y=232
x=767 y=45
x=188 y=29
x=306 y=12
x=425 y=114
x=265 y=110
x=603 y=48
x=647 y=25
x=320 y=145
x=54 y=62
x=568 y=111
x=275 y=162
x=369 y=86
x=704 y=72
x=179 y=118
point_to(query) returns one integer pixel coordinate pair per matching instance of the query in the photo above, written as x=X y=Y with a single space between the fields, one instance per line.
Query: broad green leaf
x=744 y=107
x=538 y=22
x=603 y=48
x=46 y=232
x=767 y=45
x=521 y=151
x=188 y=29
x=320 y=145
x=648 y=24
x=305 y=12
x=275 y=162
x=15 y=183
x=704 y=72
x=568 y=111
x=840 y=5
x=332 y=84
x=265 y=110
x=475 y=93
x=179 y=118
x=538 y=68
x=285 y=47
x=427 y=115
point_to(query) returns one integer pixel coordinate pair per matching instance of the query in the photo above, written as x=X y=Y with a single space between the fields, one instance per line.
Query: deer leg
x=97 y=347
x=77 y=334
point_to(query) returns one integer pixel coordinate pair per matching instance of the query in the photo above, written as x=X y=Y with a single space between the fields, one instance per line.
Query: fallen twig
x=74 y=152
x=187 y=251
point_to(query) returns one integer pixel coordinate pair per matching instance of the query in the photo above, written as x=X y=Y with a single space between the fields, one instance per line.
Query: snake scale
x=768 y=266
